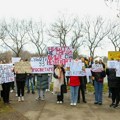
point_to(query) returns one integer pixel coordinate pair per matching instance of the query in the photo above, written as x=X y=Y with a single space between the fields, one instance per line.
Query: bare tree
x=36 y=36
x=16 y=35
x=95 y=32
x=114 y=35
x=66 y=32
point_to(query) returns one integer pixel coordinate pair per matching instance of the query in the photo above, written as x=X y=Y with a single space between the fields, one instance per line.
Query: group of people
x=61 y=82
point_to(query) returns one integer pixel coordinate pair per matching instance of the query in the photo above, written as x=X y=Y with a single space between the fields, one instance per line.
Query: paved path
x=49 y=109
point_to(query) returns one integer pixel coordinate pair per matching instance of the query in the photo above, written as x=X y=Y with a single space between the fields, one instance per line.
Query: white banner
x=88 y=71
x=111 y=64
x=117 y=69
x=97 y=67
x=15 y=59
x=39 y=65
x=6 y=73
x=74 y=68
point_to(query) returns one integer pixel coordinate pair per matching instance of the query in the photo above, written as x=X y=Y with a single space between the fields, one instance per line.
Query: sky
x=49 y=10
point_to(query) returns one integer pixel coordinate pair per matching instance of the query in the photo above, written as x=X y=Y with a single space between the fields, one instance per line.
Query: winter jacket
x=42 y=81
x=74 y=81
x=113 y=81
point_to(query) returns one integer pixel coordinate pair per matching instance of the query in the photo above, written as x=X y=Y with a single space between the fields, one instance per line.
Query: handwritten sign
x=15 y=59
x=39 y=65
x=117 y=69
x=74 y=68
x=59 y=55
x=97 y=67
x=6 y=73
x=111 y=64
x=23 y=67
x=88 y=71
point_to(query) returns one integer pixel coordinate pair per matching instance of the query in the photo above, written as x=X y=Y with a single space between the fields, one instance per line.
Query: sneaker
x=22 y=98
x=99 y=103
x=84 y=101
x=16 y=95
x=38 y=98
x=115 y=106
x=11 y=91
x=61 y=102
x=43 y=98
x=58 y=102
x=33 y=92
x=74 y=104
x=95 y=102
x=71 y=104
x=111 y=105
x=19 y=99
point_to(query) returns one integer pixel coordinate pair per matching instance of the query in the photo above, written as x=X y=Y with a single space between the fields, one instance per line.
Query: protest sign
x=59 y=55
x=6 y=73
x=111 y=64
x=39 y=65
x=15 y=59
x=88 y=71
x=23 y=67
x=117 y=69
x=97 y=67
x=74 y=68
x=114 y=55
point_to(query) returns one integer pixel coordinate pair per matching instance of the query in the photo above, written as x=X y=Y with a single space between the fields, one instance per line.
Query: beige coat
x=58 y=82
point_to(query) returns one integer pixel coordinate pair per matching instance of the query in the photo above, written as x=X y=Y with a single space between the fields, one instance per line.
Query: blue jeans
x=98 y=91
x=74 y=93
x=28 y=82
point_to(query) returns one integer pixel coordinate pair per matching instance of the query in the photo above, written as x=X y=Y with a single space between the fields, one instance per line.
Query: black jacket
x=113 y=81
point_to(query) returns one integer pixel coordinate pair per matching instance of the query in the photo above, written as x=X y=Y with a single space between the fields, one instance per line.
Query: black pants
x=60 y=97
x=12 y=85
x=81 y=91
x=20 y=87
x=6 y=92
x=115 y=95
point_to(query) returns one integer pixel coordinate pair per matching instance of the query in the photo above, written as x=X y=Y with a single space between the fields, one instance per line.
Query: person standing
x=20 y=81
x=98 y=84
x=59 y=76
x=114 y=85
x=29 y=81
x=74 y=86
x=42 y=85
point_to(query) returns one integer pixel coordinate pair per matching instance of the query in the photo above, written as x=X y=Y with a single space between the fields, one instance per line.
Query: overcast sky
x=48 y=10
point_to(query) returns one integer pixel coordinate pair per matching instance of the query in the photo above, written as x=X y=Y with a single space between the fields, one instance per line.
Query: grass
x=89 y=86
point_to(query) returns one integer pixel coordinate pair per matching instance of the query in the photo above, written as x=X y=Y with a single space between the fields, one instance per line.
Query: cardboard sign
x=59 y=55
x=39 y=65
x=6 y=73
x=23 y=67
x=114 y=55
x=97 y=67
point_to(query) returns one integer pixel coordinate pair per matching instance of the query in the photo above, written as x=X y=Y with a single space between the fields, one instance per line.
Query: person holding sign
x=97 y=76
x=20 y=81
x=114 y=86
x=59 y=75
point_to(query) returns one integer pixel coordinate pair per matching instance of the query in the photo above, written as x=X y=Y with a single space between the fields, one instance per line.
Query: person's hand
x=93 y=78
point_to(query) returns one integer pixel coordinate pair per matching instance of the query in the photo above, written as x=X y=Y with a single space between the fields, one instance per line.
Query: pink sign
x=59 y=55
